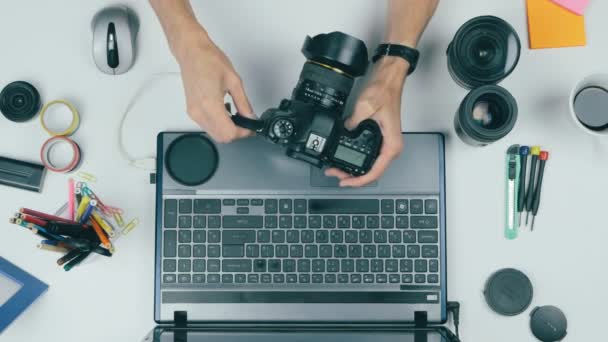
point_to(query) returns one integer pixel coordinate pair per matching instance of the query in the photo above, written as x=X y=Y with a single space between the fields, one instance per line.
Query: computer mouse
x=114 y=32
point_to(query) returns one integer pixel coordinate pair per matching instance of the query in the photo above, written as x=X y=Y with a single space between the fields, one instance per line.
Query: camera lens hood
x=338 y=50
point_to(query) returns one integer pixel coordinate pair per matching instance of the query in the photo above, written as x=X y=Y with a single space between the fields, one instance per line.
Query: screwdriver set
x=523 y=190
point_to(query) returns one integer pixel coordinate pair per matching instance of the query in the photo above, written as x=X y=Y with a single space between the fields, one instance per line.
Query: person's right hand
x=208 y=75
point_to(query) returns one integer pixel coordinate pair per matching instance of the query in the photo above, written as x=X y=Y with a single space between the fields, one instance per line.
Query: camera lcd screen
x=349 y=155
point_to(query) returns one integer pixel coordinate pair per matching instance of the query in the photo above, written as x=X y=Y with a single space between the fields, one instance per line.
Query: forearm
x=406 y=20
x=180 y=25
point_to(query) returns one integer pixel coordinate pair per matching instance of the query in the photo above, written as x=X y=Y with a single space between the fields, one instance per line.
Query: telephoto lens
x=19 y=101
x=487 y=114
x=484 y=50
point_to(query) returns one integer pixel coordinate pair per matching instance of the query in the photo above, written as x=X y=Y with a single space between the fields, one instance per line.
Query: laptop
x=251 y=244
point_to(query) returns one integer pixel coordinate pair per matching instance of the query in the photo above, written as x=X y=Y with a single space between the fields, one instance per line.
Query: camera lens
x=485 y=50
x=486 y=114
x=334 y=61
x=19 y=101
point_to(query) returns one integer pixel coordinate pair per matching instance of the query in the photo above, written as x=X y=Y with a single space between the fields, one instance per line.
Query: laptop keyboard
x=287 y=241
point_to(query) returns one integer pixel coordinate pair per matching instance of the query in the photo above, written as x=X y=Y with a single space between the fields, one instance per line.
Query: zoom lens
x=334 y=61
x=486 y=114
x=19 y=101
x=485 y=50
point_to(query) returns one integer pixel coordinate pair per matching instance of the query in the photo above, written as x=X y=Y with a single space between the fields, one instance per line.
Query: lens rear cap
x=548 y=323
x=19 y=101
x=191 y=159
x=508 y=292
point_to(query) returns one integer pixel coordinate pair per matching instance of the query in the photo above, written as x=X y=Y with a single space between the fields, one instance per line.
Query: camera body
x=310 y=124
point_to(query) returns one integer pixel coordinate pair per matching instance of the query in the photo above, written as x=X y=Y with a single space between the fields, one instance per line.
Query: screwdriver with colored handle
x=535 y=151
x=543 y=157
x=521 y=199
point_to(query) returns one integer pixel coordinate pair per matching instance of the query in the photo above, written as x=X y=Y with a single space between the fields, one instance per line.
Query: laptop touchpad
x=319 y=179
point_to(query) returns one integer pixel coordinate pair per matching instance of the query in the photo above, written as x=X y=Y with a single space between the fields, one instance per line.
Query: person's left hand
x=381 y=101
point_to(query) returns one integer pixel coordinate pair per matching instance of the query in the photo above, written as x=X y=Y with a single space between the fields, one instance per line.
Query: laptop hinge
x=181 y=324
x=420 y=321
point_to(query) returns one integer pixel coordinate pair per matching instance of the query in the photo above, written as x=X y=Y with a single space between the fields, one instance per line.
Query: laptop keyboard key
x=393 y=278
x=198 y=278
x=235 y=237
x=342 y=278
x=259 y=265
x=242 y=221
x=368 y=278
x=278 y=236
x=285 y=221
x=213 y=278
x=391 y=265
x=413 y=251
x=198 y=265
x=330 y=278
x=213 y=251
x=240 y=278
x=299 y=206
x=340 y=251
x=333 y=265
x=362 y=265
x=285 y=206
x=213 y=265
x=402 y=222
x=433 y=278
x=214 y=221
x=420 y=266
x=266 y=278
x=237 y=266
x=214 y=236
x=184 y=278
x=184 y=251
x=424 y=222
x=384 y=251
x=233 y=251
x=185 y=221
x=308 y=236
x=343 y=221
x=407 y=278
x=207 y=206
x=242 y=210
x=198 y=251
x=406 y=266
x=387 y=206
x=409 y=236
x=419 y=278
x=354 y=251
x=325 y=251
x=296 y=251
x=317 y=278
x=274 y=265
x=380 y=236
x=170 y=244
x=170 y=213
x=394 y=236
x=387 y=222
x=252 y=251
x=299 y=221
x=381 y=278
x=369 y=251
x=271 y=206
x=358 y=222
x=351 y=236
x=291 y=278
x=303 y=265
x=398 y=251
x=242 y=202
x=329 y=221
x=365 y=236
x=430 y=251
x=314 y=221
x=355 y=278
x=430 y=207
x=199 y=221
x=401 y=206
x=184 y=265
x=416 y=206
x=373 y=222
x=169 y=265
x=434 y=265
x=257 y=202
x=270 y=222
x=185 y=206
x=311 y=251
x=263 y=236
x=281 y=251
x=321 y=236
x=229 y=202
x=347 y=265
x=427 y=236
x=253 y=278
x=267 y=251
x=318 y=265
x=289 y=265
x=336 y=236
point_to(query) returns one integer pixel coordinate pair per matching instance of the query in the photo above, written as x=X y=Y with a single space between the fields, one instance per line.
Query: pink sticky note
x=576 y=6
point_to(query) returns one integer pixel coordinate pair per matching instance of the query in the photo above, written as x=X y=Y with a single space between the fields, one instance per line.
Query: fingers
x=391 y=148
x=212 y=117
x=364 y=109
x=334 y=172
x=237 y=91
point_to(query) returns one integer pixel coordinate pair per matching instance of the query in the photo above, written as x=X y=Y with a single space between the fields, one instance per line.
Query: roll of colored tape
x=70 y=128
x=52 y=146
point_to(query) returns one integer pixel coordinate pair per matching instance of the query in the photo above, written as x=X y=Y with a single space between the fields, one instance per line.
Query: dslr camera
x=310 y=125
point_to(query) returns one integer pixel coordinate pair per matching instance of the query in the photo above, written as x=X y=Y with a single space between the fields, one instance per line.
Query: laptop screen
x=206 y=336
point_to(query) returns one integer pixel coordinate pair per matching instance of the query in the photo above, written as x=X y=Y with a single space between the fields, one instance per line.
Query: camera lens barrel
x=487 y=114
x=485 y=50
x=324 y=87
x=19 y=101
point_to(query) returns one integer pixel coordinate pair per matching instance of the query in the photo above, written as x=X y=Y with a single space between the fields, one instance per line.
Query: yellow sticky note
x=552 y=26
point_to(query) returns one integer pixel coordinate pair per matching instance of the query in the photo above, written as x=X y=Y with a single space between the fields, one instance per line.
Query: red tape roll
x=52 y=143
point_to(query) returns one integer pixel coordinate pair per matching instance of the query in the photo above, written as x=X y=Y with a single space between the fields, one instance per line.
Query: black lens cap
x=508 y=292
x=548 y=323
x=19 y=101
x=191 y=159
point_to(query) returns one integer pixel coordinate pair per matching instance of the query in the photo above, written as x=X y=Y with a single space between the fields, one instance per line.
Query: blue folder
x=29 y=289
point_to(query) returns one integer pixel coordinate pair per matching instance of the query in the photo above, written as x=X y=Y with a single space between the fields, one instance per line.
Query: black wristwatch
x=409 y=54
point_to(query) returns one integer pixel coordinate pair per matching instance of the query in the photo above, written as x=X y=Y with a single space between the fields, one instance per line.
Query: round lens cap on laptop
x=508 y=292
x=191 y=159
x=548 y=323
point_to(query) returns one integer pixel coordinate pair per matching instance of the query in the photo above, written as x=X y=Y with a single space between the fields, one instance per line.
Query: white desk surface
x=49 y=44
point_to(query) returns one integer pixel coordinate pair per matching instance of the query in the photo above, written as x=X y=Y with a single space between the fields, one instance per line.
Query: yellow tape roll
x=73 y=125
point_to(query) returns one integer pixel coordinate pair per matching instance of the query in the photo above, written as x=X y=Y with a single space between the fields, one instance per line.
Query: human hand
x=208 y=75
x=381 y=101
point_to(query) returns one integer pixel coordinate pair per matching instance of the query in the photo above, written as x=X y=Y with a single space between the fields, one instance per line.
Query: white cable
x=148 y=163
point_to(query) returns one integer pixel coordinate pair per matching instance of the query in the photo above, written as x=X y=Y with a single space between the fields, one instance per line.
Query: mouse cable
x=149 y=163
